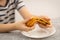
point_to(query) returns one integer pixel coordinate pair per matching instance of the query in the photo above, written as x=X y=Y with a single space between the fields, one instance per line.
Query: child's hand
x=47 y=19
x=22 y=26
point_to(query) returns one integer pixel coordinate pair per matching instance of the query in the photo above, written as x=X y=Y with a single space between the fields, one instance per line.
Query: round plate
x=39 y=32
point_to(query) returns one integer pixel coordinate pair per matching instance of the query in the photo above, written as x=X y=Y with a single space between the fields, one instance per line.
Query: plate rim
x=41 y=37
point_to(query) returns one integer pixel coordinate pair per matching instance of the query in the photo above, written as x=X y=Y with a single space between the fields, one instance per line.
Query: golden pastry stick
x=31 y=22
x=44 y=22
x=40 y=22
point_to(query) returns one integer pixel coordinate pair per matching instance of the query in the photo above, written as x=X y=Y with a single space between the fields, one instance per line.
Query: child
x=7 y=16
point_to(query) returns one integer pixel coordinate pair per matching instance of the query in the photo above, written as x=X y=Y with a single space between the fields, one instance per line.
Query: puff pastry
x=32 y=21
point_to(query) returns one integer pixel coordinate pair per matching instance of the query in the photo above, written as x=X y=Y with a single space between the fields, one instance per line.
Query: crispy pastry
x=32 y=21
x=43 y=22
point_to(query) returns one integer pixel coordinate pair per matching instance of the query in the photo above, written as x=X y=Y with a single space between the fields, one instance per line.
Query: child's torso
x=7 y=12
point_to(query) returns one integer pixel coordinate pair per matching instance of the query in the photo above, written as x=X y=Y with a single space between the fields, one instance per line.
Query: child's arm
x=6 y=27
x=15 y=26
x=20 y=6
x=25 y=13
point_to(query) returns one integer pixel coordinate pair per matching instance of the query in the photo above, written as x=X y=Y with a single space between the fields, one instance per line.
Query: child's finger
x=29 y=28
x=42 y=26
x=26 y=28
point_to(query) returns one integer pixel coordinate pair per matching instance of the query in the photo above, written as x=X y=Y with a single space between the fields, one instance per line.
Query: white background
x=50 y=8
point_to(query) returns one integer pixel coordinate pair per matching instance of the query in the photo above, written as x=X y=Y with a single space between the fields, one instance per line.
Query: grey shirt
x=7 y=12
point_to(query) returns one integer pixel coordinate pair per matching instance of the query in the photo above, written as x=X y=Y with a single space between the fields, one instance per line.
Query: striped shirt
x=7 y=12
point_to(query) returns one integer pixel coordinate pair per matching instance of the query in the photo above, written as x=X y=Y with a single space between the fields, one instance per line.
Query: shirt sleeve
x=19 y=4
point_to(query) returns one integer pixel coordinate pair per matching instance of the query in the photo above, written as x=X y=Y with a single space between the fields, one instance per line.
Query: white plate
x=39 y=32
